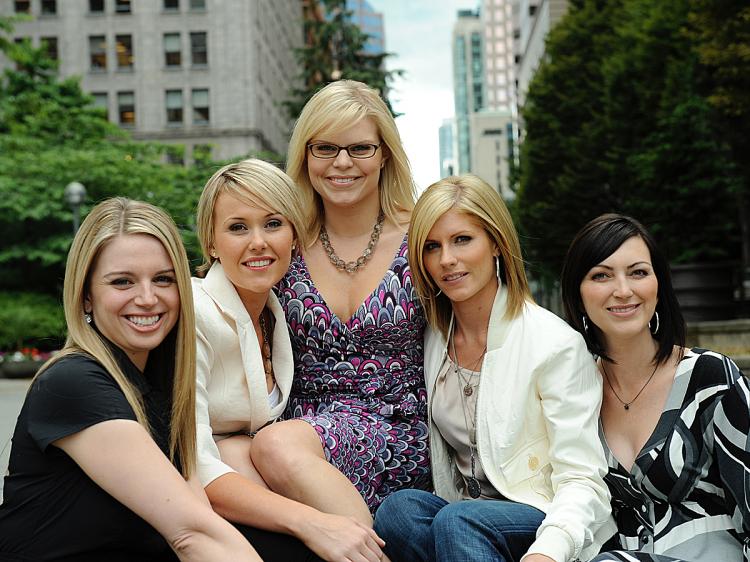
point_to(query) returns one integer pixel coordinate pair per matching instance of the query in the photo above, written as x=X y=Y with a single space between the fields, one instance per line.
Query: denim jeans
x=420 y=527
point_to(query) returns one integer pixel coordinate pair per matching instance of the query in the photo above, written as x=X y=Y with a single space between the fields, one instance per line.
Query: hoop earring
x=440 y=292
x=655 y=330
x=497 y=266
x=585 y=325
x=88 y=318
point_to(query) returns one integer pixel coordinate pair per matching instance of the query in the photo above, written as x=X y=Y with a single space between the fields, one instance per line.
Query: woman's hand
x=537 y=558
x=336 y=538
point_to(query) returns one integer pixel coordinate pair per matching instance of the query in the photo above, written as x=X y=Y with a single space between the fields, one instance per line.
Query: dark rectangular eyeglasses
x=327 y=151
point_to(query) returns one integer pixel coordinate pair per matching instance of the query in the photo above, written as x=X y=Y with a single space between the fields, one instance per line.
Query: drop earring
x=87 y=317
x=585 y=325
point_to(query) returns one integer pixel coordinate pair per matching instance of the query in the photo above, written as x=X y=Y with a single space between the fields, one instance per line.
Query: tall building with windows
x=483 y=88
x=207 y=74
x=468 y=81
x=446 y=137
x=370 y=22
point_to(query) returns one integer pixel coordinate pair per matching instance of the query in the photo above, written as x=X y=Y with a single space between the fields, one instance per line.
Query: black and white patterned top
x=688 y=494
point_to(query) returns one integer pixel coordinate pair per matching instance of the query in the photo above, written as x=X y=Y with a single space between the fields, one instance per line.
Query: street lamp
x=75 y=193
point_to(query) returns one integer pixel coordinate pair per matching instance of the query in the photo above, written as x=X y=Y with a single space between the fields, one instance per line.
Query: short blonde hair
x=339 y=106
x=471 y=195
x=108 y=220
x=251 y=181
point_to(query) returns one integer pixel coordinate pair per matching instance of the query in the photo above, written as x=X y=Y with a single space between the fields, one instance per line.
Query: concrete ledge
x=730 y=337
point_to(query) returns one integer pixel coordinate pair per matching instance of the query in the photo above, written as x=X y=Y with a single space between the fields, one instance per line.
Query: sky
x=418 y=33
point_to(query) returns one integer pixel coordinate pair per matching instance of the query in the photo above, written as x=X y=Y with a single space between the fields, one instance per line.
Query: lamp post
x=75 y=193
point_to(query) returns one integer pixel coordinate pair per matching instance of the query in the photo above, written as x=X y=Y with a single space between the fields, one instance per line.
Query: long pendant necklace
x=472 y=483
x=266 y=348
x=626 y=405
x=355 y=265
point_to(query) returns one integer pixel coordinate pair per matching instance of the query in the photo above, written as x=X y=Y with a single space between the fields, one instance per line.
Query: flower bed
x=23 y=363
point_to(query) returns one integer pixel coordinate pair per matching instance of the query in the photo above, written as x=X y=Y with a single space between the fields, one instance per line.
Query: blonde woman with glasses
x=356 y=325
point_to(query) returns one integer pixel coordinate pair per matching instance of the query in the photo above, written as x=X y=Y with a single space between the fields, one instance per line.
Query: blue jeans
x=419 y=526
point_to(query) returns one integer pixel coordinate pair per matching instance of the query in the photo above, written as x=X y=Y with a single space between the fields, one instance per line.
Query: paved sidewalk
x=12 y=393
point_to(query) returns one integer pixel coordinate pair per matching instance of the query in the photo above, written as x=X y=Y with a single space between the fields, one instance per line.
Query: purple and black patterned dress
x=360 y=382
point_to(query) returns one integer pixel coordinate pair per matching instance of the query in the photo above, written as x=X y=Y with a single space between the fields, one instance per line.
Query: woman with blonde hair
x=513 y=401
x=356 y=326
x=250 y=222
x=105 y=440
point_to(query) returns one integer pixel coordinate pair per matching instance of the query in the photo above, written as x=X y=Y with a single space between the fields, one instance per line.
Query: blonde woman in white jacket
x=513 y=401
x=249 y=222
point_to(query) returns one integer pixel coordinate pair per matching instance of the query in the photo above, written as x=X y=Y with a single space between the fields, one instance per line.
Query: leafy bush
x=30 y=319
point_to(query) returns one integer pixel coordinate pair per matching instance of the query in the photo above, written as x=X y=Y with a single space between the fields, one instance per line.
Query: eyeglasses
x=328 y=151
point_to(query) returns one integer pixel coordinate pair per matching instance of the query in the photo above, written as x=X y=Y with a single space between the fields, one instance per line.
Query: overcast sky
x=418 y=32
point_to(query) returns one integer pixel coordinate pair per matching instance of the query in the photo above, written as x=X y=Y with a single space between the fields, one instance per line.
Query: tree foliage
x=616 y=122
x=335 y=49
x=50 y=135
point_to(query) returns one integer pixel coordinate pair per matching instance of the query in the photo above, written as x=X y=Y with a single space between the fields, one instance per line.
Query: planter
x=705 y=290
x=19 y=369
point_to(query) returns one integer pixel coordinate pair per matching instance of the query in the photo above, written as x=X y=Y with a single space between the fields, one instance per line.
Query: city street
x=12 y=392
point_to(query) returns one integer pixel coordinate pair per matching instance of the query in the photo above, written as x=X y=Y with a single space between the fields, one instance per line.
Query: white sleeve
x=210 y=466
x=571 y=394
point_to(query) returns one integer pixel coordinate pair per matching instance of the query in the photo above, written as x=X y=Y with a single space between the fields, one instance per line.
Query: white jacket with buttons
x=231 y=394
x=537 y=409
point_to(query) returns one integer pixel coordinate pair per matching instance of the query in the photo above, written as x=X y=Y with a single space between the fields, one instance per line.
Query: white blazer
x=537 y=435
x=231 y=392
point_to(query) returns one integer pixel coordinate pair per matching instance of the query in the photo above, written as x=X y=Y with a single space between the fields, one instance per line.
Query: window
x=50 y=47
x=101 y=99
x=122 y=6
x=23 y=6
x=172 y=50
x=171 y=5
x=124 y=50
x=175 y=154
x=174 y=107
x=197 y=4
x=532 y=10
x=200 y=107
x=198 y=48
x=98 y=52
x=126 y=108
x=96 y=6
x=49 y=7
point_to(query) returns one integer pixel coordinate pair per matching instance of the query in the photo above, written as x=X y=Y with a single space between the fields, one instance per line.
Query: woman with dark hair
x=674 y=421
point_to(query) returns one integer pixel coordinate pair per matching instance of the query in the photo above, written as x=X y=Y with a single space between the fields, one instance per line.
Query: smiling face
x=345 y=181
x=459 y=256
x=619 y=294
x=253 y=244
x=132 y=294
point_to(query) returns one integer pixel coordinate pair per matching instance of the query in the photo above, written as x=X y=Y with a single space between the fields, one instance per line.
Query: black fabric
x=51 y=509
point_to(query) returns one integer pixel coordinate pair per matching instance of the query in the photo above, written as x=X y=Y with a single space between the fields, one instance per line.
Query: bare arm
x=333 y=537
x=121 y=458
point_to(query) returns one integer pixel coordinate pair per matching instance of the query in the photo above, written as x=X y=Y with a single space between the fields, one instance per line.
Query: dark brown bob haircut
x=594 y=243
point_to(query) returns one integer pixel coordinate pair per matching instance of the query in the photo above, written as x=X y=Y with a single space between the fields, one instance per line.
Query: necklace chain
x=355 y=265
x=626 y=405
x=266 y=347
x=472 y=483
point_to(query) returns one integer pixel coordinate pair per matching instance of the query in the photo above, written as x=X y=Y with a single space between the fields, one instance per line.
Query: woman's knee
x=282 y=448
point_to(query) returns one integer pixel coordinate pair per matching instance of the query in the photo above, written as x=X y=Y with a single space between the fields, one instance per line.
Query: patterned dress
x=687 y=496
x=360 y=382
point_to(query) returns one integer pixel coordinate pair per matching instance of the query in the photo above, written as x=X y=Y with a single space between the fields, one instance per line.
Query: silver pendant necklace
x=472 y=482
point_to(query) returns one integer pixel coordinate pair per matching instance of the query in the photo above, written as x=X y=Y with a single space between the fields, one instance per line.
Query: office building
x=207 y=74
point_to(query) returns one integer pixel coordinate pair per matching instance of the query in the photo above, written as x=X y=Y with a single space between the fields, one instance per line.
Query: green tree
x=616 y=122
x=334 y=50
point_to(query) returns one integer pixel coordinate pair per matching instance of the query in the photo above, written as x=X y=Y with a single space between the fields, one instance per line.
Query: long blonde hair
x=339 y=106
x=111 y=218
x=251 y=181
x=471 y=195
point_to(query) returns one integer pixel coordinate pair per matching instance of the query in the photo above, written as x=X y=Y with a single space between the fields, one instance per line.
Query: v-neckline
x=313 y=286
x=653 y=441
